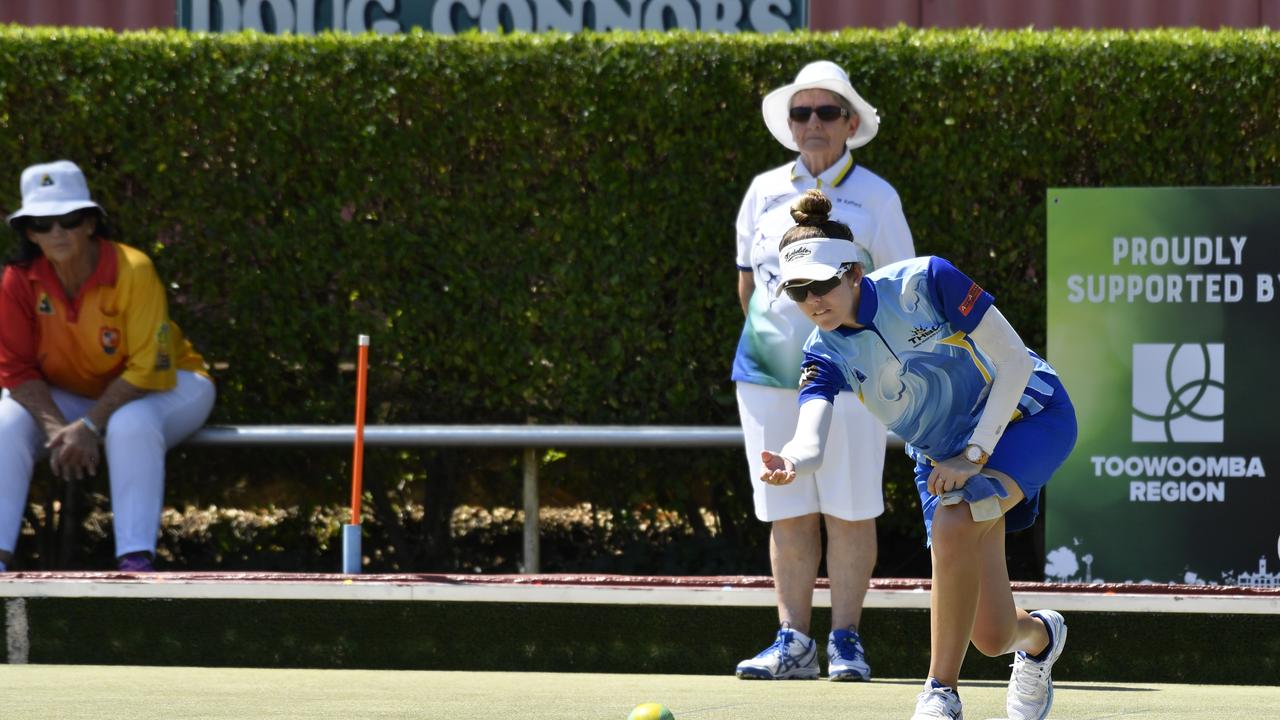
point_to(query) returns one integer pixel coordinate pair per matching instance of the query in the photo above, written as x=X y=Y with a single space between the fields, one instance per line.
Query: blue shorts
x=1030 y=451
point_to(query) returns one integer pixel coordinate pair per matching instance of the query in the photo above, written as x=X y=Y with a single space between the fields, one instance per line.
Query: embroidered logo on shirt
x=970 y=298
x=808 y=373
x=44 y=307
x=109 y=339
x=920 y=333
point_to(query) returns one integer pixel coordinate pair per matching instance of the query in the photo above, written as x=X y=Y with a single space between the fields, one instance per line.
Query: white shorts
x=847 y=486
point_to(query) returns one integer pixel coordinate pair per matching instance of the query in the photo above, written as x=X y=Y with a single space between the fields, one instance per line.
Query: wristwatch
x=976 y=455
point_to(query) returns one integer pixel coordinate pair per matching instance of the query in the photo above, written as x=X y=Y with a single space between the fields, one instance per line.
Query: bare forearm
x=746 y=286
x=34 y=395
x=117 y=394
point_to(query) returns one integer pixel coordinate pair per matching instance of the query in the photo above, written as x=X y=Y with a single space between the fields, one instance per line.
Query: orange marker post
x=351 y=554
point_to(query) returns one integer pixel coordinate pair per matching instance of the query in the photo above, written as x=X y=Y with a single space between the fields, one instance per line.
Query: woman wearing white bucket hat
x=88 y=355
x=822 y=117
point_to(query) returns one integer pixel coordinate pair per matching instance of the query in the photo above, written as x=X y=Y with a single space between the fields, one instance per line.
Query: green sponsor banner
x=1164 y=324
x=447 y=17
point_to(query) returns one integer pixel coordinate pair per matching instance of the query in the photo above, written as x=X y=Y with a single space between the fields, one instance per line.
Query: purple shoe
x=136 y=562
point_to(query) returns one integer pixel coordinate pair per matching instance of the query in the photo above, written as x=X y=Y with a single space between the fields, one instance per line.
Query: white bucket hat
x=52 y=189
x=817 y=259
x=820 y=75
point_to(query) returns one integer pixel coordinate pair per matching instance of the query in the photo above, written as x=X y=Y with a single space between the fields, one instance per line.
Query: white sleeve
x=806 y=447
x=746 y=228
x=892 y=240
x=1001 y=343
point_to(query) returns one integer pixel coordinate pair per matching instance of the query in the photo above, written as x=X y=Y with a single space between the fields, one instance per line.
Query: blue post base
x=351 y=549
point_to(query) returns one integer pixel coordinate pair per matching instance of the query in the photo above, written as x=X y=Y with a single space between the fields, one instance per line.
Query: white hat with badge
x=52 y=189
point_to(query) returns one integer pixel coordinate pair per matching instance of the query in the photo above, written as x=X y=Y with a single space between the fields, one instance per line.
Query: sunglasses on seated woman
x=826 y=113
x=819 y=288
x=70 y=221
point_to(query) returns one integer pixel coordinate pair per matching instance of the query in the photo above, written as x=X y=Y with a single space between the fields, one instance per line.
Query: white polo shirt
x=770 y=347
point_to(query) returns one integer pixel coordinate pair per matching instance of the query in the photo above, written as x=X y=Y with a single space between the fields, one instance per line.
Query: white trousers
x=137 y=436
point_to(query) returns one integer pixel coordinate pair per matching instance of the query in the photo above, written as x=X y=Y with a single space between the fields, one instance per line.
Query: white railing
x=528 y=437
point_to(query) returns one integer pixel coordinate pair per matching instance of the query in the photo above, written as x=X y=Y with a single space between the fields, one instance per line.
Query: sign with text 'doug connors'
x=1164 y=323
x=448 y=17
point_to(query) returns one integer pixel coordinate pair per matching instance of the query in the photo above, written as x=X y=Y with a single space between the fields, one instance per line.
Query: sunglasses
x=826 y=113
x=70 y=221
x=800 y=293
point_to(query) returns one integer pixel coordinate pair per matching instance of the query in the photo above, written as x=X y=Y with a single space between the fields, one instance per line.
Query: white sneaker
x=1030 y=692
x=792 y=656
x=846 y=660
x=938 y=701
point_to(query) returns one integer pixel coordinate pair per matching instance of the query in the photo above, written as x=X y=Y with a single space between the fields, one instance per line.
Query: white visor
x=816 y=259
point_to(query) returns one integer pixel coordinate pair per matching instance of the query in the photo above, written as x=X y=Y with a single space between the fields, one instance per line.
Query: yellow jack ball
x=651 y=711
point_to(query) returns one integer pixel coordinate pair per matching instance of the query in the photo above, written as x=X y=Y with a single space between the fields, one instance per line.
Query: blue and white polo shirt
x=913 y=363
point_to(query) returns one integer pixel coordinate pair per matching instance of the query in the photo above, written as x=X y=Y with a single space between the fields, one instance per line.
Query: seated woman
x=88 y=355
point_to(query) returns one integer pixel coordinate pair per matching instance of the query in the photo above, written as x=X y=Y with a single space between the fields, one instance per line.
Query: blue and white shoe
x=846 y=660
x=792 y=656
x=1030 y=694
x=938 y=701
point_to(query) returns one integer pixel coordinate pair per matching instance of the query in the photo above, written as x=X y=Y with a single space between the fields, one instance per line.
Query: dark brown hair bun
x=812 y=209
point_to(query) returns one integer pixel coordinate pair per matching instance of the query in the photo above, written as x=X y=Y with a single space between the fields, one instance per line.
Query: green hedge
x=539 y=228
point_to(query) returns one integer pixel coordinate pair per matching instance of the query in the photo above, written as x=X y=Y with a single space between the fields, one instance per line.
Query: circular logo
x=1188 y=405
